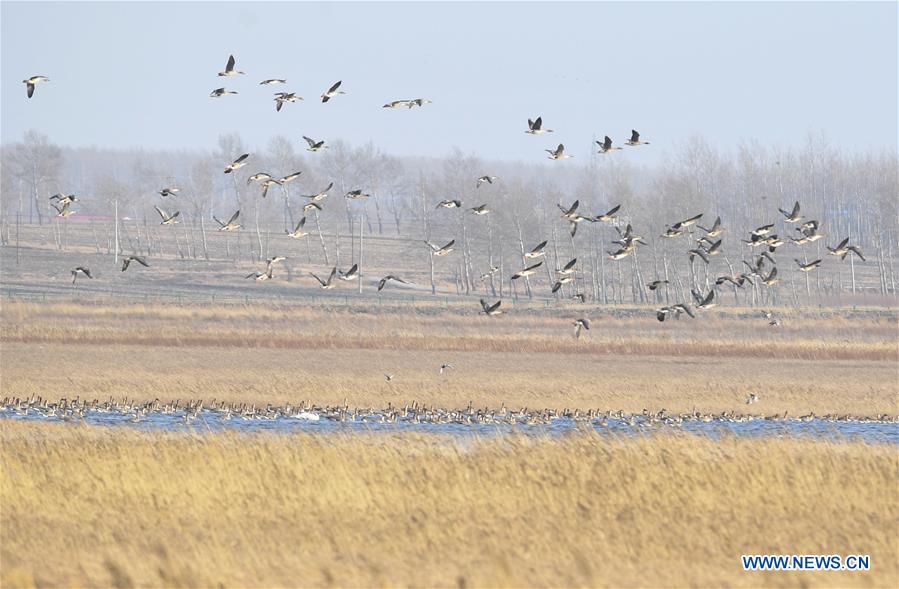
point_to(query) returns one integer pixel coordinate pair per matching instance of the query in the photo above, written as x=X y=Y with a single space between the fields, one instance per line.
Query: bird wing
x=140 y=261
x=161 y=213
x=310 y=141
x=335 y=86
x=230 y=66
x=634 y=136
x=241 y=158
x=613 y=210
x=450 y=244
x=539 y=247
x=233 y=217
x=320 y=281
x=30 y=88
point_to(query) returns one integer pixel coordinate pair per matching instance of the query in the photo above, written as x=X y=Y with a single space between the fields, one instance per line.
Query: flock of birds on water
x=708 y=245
x=411 y=413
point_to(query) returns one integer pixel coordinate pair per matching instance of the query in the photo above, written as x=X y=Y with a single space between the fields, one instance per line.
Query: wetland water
x=872 y=431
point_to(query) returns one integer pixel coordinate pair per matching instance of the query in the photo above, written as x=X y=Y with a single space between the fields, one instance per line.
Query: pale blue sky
x=140 y=74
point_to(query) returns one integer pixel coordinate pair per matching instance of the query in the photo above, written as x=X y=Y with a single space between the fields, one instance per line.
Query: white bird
x=635 y=139
x=229 y=68
x=535 y=127
x=219 y=92
x=31 y=82
x=315 y=145
x=332 y=91
x=236 y=164
x=445 y=366
x=558 y=154
x=230 y=225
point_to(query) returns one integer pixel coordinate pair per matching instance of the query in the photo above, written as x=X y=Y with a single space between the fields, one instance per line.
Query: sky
x=139 y=74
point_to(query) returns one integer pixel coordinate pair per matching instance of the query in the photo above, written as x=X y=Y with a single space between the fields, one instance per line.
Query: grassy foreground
x=88 y=506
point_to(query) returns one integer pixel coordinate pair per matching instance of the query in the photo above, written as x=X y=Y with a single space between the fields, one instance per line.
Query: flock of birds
x=187 y=412
x=704 y=247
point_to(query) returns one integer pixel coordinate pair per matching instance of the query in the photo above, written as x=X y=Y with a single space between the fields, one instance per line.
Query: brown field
x=95 y=507
x=832 y=362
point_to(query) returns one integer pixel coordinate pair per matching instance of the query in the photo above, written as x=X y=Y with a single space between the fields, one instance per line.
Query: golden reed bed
x=100 y=507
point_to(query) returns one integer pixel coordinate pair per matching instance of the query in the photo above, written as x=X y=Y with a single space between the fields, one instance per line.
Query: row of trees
x=851 y=195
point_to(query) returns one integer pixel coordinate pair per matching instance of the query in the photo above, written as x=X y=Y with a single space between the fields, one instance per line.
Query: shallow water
x=864 y=430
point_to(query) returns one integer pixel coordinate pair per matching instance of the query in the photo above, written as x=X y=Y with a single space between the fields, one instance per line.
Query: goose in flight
x=219 y=92
x=169 y=191
x=80 y=270
x=321 y=195
x=449 y=204
x=635 y=139
x=580 y=324
x=356 y=194
x=33 y=81
x=332 y=91
x=621 y=253
x=311 y=206
x=270 y=263
x=605 y=146
x=383 y=282
x=315 y=145
x=562 y=280
x=843 y=249
x=535 y=127
x=272 y=82
x=488 y=309
x=237 y=164
x=444 y=367
x=283 y=97
x=290 y=177
x=571 y=212
x=229 y=68
x=771 y=279
x=480 y=210
x=706 y=302
x=441 y=251
x=735 y=280
x=127 y=262
x=807 y=267
x=326 y=284
x=672 y=232
x=63 y=199
x=715 y=230
x=298 y=231
x=655 y=284
x=63 y=211
x=419 y=102
x=527 y=271
x=792 y=216
x=398 y=104
x=389 y=376
x=677 y=309
x=538 y=251
x=610 y=215
x=266 y=184
x=687 y=222
x=351 y=274
x=763 y=230
x=259 y=176
x=231 y=225
x=261 y=276
x=488 y=179
x=558 y=153
x=493 y=270
x=568 y=268
x=166 y=218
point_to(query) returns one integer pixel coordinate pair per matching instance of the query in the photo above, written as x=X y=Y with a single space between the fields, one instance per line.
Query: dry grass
x=825 y=364
x=94 y=507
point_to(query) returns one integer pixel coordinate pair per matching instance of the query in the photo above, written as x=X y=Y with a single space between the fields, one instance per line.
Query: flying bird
x=169 y=191
x=332 y=92
x=31 y=82
x=351 y=274
x=127 y=262
x=792 y=216
x=491 y=309
x=326 y=284
x=558 y=153
x=535 y=127
x=321 y=195
x=449 y=204
x=605 y=146
x=272 y=82
x=237 y=164
x=356 y=194
x=480 y=210
x=229 y=68
x=315 y=145
x=166 y=218
x=487 y=179
x=298 y=231
x=527 y=271
x=807 y=267
x=383 y=282
x=230 y=225
x=580 y=324
x=441 y=251
x=635 y=139
x=538 y=251
x=80 y=270
x=219 y=92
